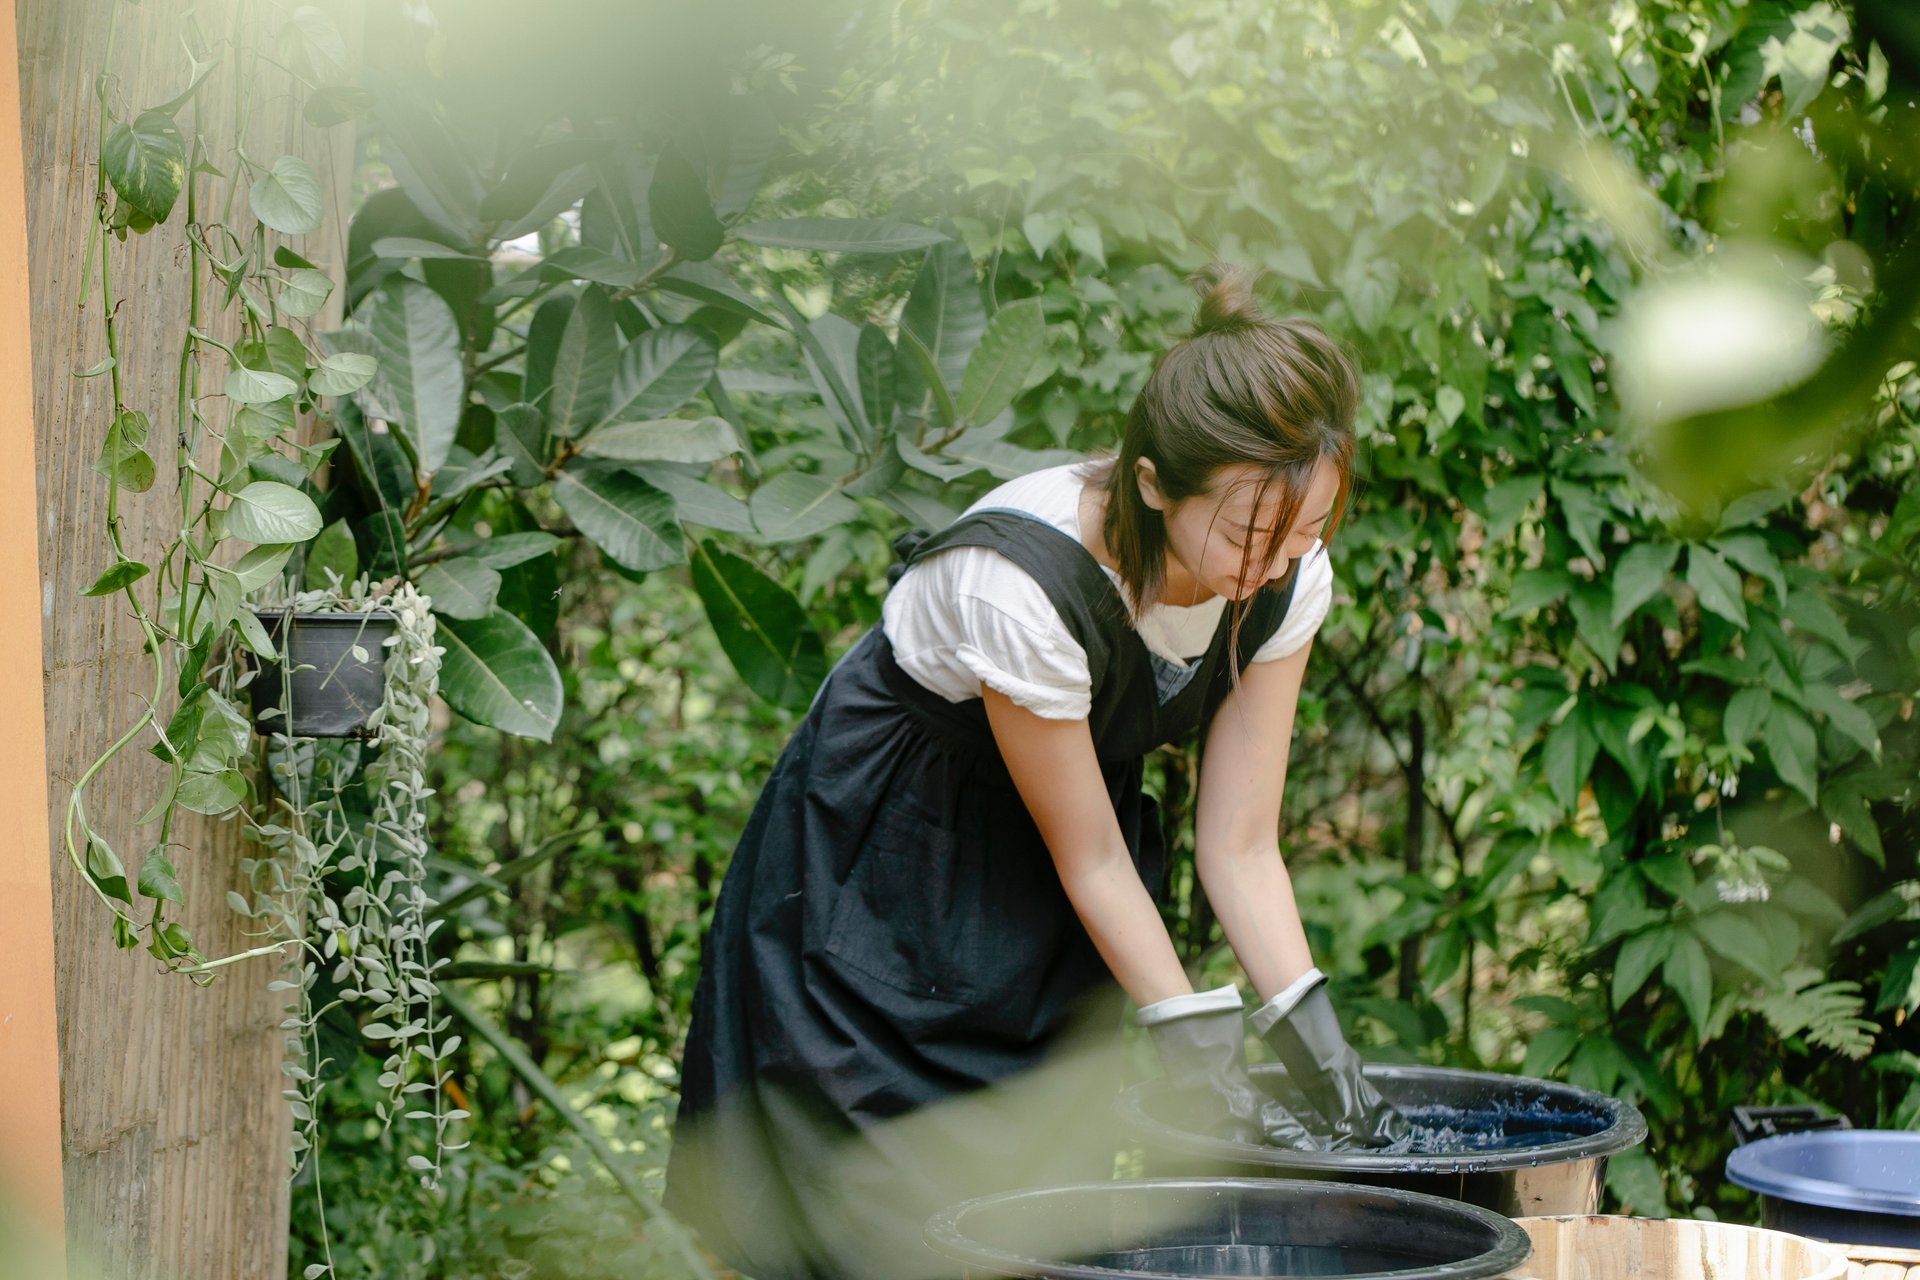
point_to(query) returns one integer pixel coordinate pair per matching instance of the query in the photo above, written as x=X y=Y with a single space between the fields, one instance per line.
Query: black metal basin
x=1512 y=1144
x=1154 y=1230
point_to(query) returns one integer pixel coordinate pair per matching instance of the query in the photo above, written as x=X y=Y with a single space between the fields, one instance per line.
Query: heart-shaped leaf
x=342 y=374
x=267 y=511
x=288 y=197
x=258 y=386
x=305 y=292
x=146 y=162
x=119 y=575
x=211 y=793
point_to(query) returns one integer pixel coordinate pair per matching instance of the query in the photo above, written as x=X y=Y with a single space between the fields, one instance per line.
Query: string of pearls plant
x=342 y=882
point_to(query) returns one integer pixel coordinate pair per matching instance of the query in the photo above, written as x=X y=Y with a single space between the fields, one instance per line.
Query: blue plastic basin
x=1853 y=1186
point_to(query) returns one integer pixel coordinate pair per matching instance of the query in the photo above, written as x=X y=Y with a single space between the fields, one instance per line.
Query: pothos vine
x=337 y=891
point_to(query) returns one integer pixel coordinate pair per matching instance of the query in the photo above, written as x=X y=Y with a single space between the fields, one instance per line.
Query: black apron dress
x=898 y=1008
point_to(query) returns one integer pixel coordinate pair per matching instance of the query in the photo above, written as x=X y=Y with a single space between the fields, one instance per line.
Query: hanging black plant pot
x=333 y=690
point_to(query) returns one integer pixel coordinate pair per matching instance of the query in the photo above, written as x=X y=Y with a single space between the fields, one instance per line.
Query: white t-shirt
x=968 y=616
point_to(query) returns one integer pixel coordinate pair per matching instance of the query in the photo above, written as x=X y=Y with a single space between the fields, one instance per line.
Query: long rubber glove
x=1304 y=1033
x=1202 y=1042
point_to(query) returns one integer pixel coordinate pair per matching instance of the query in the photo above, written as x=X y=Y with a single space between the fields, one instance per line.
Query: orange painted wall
x=30 y=1166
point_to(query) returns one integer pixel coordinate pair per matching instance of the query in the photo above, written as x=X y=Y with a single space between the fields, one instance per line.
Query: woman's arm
x=1243 y=773
x=1058 y=775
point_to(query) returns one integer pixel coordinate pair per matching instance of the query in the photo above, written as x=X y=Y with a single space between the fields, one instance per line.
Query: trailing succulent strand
x=342 y=884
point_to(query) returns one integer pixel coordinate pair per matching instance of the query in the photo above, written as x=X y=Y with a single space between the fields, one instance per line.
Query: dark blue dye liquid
x=1443 y=1130
x=1282 y=1260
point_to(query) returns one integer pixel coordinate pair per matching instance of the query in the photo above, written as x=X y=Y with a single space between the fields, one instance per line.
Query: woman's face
x=1208 y=534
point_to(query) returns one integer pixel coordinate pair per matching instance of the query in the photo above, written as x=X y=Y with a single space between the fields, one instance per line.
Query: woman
x=950 y=877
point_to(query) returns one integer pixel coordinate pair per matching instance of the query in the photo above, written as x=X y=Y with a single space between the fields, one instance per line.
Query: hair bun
x=1227 y=304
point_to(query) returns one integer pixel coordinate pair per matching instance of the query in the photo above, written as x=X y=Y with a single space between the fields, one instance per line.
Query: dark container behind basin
x=1512 y=1144
x=1224 y=1227
x=333 y=692
x=1850 y=1186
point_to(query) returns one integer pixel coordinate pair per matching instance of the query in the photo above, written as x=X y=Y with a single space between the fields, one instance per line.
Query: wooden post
x=175 y=1134
x=29 y=1061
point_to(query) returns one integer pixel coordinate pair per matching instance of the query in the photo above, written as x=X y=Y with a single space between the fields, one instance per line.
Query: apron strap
x=1075 y=584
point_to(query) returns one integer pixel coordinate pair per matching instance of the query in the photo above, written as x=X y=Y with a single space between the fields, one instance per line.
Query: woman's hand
x=1058 y=775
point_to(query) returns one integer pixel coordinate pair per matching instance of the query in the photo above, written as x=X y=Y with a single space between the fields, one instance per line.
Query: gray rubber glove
x=1301 y=1027
x=1202 y=1042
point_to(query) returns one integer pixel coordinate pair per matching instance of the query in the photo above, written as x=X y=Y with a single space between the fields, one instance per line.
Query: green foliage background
x=1589 y=782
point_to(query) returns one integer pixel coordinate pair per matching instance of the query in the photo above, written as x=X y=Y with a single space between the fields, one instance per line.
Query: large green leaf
x=1689 y=976
x=1641 y=574
x=795 y=505
x=1640 y=955
x=1750 y=552
x=696 y=501
x=1849 y=719
x=1747 y=710
x=840 y=235
x=944 y=311
x=419 y=386
x=999 y=365
x=831 y=346
x=583 y=366
x=876 y=370
x=288 y=197
x=146 y=162
x=505 y=550
x=1793 y=747
x=1507 y=501
x=659 y=371
x=762 y=628
x=333 y=550
x=623 y=515
x=704 y=282
x=461 y=587
x=664 y=440
x=267 y=511
x=1716 y=584
x=1568 y=756
x=681 y=211
x=520 y=436
x=496 y=672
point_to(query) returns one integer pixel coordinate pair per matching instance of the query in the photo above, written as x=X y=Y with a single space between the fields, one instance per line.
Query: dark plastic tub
x=1551 y=1158
x=333 y=692
x=1155 y=1230
x=1851 y=1186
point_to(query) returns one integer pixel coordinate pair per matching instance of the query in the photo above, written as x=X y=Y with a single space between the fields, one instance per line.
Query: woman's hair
x=1241 y=388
